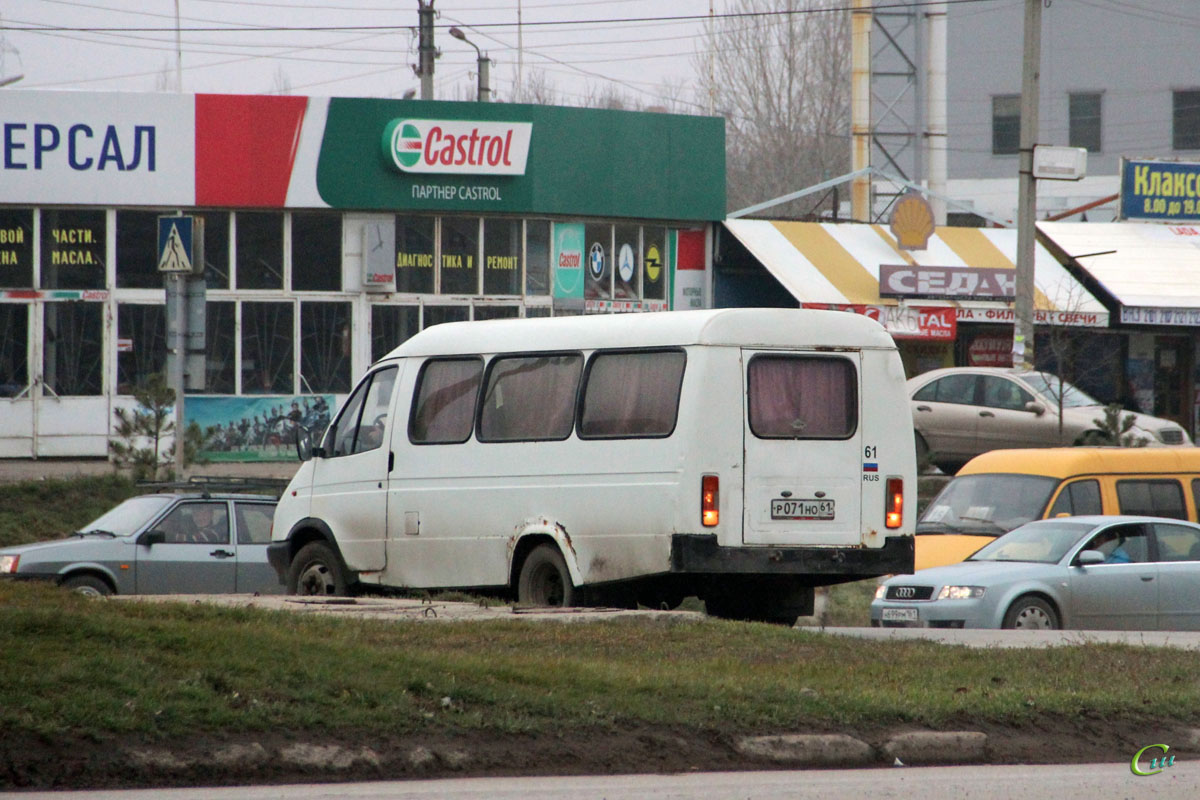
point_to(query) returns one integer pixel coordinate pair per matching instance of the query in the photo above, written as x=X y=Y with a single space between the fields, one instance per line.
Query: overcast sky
x=137 y=52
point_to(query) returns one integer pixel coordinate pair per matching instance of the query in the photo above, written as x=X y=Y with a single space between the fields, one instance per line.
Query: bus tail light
x=710 y=503
x=893 y=503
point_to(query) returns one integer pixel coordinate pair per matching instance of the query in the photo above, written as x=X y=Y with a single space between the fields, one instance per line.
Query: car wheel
x=1031 y=613
x=88 y=586
x=317 y=570
x=544 y=579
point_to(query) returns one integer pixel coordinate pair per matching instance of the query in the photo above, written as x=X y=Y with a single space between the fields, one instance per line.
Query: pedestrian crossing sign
x=177 y=240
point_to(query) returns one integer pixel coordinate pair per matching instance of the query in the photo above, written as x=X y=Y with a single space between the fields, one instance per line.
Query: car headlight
x=8 y=564
x=880 y=591
x=960 y=592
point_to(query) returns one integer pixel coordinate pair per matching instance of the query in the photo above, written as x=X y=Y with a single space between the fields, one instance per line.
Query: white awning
x=839 y=263
x=1152 y=270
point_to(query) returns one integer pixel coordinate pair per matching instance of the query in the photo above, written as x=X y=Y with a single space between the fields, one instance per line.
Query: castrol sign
x=457 y=147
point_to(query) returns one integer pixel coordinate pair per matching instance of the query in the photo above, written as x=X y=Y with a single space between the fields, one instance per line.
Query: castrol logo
x=458 y=147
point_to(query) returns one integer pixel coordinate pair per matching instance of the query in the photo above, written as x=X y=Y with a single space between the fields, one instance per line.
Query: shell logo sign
x=459 y=147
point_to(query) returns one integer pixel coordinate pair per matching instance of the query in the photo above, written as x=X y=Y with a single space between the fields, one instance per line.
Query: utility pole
x=1022 y=347
x=860 y=109
x=426 y=51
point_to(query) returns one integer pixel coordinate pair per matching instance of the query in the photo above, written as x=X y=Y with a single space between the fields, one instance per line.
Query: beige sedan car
x=960 y=412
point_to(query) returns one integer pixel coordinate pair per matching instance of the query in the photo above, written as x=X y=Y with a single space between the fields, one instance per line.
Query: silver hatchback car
x=960 y=412
x=1090 y=572
x=194 y=543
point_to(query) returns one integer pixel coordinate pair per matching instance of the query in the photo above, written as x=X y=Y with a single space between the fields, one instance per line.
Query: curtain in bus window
x=444 y=411
x=631 y=394
x=802 y=398
x=530 y=398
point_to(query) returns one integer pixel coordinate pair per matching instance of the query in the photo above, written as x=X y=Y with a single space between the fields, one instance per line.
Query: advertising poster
x=568 y=264
x=258 y=428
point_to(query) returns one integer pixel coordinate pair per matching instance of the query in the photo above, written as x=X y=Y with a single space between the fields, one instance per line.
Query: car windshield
x=130 y=516
x=1044 y=542
x=987 y=504
x=1049 y=385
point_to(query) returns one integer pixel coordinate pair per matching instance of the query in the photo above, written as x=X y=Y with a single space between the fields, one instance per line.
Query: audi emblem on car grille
x=909 y=592
x=905 y=592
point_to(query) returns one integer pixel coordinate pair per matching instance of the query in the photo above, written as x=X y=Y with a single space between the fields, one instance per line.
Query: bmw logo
x=596 y=260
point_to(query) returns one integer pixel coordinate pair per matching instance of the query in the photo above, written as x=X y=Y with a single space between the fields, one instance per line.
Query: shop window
x=537 y=257
x=216 y=249
x=71 y=349
x=530 y=398
x=627 y=254
x=392 y=326
x=414 y=254
x=259 y=250
x=14 y=351
x=316 y=251
x=497 y=312
x=654 y=263
x=137 y=250
x=436 y=315
x=267 y=348
x=1006 y=124
x=501 y=256
x=597 y=255
x=1084 y=123
x=631 y=394
x=444 y=408
x=1185 y=128
x=537 y=311
x=798 y=397
x=16 y=248
x=219 y=343
x=460 y=255
x=73 y=249
x=141 y=345
x=325 y=347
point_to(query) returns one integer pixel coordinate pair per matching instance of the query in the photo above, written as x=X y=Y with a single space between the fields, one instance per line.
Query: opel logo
x=905 y=592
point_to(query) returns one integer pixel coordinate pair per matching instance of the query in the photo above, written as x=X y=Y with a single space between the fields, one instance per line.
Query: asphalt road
x=1062 y=782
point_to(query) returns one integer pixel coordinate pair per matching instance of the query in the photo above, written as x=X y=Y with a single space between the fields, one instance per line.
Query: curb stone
x=935 y=747
x=813 y=750
x=327 y=756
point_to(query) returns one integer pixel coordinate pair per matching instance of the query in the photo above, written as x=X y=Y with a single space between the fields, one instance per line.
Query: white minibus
x=743 y=456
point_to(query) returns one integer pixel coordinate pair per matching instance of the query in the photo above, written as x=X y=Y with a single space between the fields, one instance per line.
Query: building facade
x=332 y=230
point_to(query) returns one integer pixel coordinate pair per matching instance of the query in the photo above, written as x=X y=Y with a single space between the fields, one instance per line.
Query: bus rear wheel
x=544 y=579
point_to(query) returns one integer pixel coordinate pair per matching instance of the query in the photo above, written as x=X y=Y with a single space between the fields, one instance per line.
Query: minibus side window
x=1080 y=497
x=631 y=394
x=530 y=398
x=361 y=425
x=802 y=397
x=444 y=403
x=1152 y=498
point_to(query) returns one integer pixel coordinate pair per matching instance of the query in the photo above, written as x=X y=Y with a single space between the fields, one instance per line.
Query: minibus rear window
x=631 y=394
x=444 y=409
x=803 y=397
x=530 y=398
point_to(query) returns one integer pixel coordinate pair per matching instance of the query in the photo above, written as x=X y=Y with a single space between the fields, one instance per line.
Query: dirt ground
x=307 y=756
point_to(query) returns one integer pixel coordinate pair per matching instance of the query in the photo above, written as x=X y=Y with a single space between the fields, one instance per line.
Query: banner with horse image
x=260 y=427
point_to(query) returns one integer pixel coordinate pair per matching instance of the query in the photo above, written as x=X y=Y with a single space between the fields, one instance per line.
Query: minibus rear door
x=804 y=471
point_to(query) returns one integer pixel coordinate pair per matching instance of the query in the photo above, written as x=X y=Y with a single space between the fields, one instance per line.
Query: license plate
x=801 y=509
x=899 y=615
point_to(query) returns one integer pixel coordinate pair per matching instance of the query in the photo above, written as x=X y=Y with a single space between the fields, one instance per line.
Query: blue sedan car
x=1093 y=572
x=185 y=543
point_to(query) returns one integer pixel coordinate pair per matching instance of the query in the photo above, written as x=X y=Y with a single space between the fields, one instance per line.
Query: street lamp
x=484 y=91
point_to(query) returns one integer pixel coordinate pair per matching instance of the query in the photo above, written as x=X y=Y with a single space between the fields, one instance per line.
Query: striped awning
x=840 y=263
